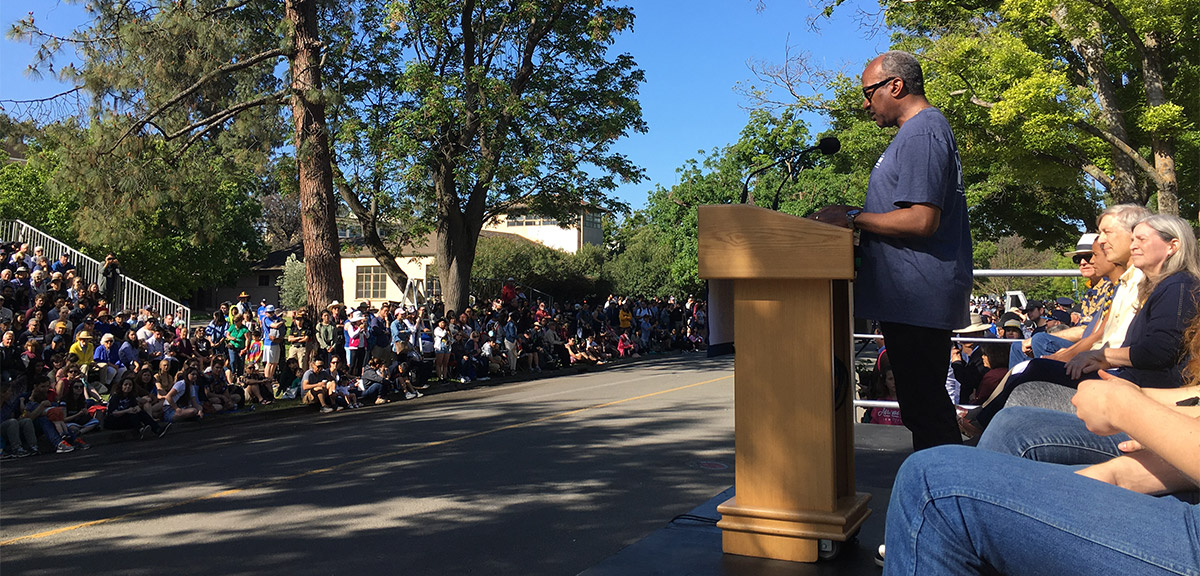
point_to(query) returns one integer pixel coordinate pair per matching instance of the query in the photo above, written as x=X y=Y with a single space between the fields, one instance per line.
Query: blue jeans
x=236 y=363
x=1048 y=436
x=371 y=393
x=959 y=510
x=1043 y=344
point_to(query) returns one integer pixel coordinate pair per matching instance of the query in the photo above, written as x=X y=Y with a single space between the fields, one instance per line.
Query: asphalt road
x=543 y=477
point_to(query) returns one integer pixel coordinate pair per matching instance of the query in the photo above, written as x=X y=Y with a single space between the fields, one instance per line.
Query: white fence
x=130 y=294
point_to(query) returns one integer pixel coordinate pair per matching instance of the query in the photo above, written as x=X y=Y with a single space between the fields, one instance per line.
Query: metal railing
x=1064 y=273
x=129 y=293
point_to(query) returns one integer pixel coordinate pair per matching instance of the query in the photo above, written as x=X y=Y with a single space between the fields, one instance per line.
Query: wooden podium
x=793 y=421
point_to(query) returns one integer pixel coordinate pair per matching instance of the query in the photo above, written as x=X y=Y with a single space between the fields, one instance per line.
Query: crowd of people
x=70 y=365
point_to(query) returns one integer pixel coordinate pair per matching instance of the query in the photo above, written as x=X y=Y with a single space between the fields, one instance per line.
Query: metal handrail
x=1063 y=273
x=998 y=273
x=130 y=294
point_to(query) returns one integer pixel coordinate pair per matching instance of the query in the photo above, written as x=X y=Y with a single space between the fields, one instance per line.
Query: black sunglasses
x=869 y=91
x=1080 y=258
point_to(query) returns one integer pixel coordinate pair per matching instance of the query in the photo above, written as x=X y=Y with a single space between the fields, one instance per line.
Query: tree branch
x=196 y=86
x=46 y=99
x=215 y=120
x=1119 y=144
x=369 y=223
x=221 y=116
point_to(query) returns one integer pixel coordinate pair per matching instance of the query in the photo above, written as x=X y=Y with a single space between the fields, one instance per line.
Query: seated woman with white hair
x=107 y=365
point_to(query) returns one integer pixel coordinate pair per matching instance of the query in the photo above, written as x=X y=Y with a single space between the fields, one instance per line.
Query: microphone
x=826 y=146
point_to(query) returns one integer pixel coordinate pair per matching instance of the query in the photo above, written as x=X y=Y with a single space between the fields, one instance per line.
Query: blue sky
x=694 y=53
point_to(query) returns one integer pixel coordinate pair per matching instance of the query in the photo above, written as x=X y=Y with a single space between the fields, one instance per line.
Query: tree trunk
x=369 y=221
x=1163 y=146
x=457 y=239
x=318 y=209
x=1124 y=186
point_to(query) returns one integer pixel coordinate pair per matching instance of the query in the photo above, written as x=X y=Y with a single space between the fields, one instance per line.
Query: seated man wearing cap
x=966 y=359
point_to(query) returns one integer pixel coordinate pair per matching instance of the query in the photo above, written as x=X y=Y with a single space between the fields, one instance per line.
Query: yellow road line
x=223 y=493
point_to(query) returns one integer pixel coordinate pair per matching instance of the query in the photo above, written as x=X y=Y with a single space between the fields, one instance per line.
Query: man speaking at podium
x=915 y=277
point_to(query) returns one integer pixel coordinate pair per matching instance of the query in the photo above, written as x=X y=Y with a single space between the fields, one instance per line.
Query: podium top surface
x=739 y=241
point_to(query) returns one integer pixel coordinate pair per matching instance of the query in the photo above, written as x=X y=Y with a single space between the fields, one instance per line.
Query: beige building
x=364 y=279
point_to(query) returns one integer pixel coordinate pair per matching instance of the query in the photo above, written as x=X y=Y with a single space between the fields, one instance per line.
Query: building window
x=529 y=220
x=591 y=220
x=264 y=280
x=370 y=283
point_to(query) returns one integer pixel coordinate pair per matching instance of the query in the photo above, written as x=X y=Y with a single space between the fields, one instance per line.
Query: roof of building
x=356 y=248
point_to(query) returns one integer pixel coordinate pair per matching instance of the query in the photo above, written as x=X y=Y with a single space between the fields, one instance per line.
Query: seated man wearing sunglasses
x=1102 y=276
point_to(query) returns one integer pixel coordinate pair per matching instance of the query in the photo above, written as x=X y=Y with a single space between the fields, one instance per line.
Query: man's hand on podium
x=834 y=214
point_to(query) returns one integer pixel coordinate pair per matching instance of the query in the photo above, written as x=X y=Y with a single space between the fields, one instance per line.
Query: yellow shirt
x=625 y=317
x=1122 y=310
x=83 y=352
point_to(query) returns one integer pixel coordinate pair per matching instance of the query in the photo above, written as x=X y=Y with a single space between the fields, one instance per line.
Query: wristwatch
x=851 y=215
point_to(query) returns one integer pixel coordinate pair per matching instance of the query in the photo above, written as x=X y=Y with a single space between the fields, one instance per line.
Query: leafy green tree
x=717 y=178
x=643 y=268
x=1094 y=91
x=557 y=273
x=509 y=105
x=292 y=292
x=24 y=193
x=185 y=102
x=1013 y=253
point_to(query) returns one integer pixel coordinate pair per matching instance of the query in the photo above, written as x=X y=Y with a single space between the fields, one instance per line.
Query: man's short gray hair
x=905 y=67
x=1127 y=214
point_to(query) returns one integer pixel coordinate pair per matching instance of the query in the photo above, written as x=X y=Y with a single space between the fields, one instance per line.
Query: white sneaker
x=419 y=394
x=410 y=395
x=879 y=556
x=326 y=409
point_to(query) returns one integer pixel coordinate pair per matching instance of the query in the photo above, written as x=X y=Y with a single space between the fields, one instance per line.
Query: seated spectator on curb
x=375 y=381
x=1164 y=249
x=256 y=387
x=130 y=353
x=81 y=414
x=46 y=418
x=183 y=400
x=17 y=431
x=220 y=394
x=83 y=349
x=125 y=411
x=287 y=377
x=107 y=365
x=317 y=386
